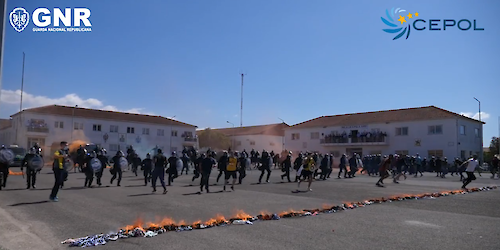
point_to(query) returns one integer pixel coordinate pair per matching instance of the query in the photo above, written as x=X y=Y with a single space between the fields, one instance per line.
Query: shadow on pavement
x=14 y=189
x=74 y=188
x=142 y=185
x=135 y=195
x=198 y=193
x=28 y=203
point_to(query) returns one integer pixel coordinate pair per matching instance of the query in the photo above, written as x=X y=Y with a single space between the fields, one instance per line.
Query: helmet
x=160 y=151
x=32 y=150
x=173 y=153
x=148 y=156
x=119 y=153
x=93 y=154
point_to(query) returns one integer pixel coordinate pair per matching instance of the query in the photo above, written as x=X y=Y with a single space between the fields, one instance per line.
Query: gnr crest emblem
x=19 y=19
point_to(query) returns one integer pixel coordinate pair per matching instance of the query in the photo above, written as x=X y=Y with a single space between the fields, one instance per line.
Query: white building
x=263 y=137
x=428 y=131
x=48 y=125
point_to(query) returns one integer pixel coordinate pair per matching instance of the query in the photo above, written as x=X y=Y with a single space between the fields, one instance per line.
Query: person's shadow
x=28 y=203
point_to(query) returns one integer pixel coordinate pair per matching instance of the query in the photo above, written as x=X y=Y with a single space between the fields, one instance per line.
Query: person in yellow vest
x=307 y=171
x=60 y=157
x=231 y=169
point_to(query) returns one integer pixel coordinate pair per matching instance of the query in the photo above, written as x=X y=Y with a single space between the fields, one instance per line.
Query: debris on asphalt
x=245 y=219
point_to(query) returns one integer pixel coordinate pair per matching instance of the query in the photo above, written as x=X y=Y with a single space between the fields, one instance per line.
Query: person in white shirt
x=471 y=166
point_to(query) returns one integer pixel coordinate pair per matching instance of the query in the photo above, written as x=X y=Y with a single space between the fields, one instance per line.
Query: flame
x=240 y=214
x=15 y=173
x=326 y=206
x=290 y=211
x=167 y=221
x=182 y=223
x=196 y=222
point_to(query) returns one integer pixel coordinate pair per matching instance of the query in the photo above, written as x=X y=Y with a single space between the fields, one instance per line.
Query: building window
x=113 y=129
x=436 y=153
x=402 y=131
x=188 y=134
x=78 y=126
x=462 y=129
x=160 y=132
x=304 y=145
x=252 y=143
x=295 y=136
x=173 y=133
x=96 y=127
x=314 y=135
x=401 y=152
x=375 y=152
x=272 y=144
x=462 y=154
x=335 y=153
x=238 y=143
x=476 y=132
x=435 y=129
x=145 y=131
x=130 y=130
x=114 y=147
x=59 y=124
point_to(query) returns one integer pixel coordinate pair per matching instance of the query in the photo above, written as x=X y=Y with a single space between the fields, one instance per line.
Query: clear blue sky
x=303 y=59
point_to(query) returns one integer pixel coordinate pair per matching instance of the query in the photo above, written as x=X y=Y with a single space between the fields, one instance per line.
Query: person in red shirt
x=384 y=166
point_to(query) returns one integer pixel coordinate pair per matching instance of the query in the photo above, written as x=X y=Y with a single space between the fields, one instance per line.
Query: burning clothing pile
x=244 y=219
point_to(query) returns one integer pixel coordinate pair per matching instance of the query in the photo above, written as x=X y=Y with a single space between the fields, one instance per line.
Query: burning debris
x=242 y=218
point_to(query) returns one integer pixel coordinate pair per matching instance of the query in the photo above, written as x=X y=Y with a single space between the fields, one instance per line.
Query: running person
x=231 y=169
x=307 y=172
x=471 y=165
x=383 y=171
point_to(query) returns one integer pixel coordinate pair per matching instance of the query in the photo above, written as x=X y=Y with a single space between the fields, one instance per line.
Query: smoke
x=74 y=145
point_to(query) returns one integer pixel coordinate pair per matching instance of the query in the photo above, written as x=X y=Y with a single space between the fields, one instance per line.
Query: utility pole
x=241 y=109
x=232 y=145
x=20 y=103
x=480 y=132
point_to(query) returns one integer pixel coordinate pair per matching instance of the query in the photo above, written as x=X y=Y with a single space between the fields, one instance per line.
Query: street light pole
x=170 y=145
x=480 y=131
x=232 y=146
x=283 y=140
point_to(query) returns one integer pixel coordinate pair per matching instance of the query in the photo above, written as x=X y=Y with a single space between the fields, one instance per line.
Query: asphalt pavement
x=28 y=220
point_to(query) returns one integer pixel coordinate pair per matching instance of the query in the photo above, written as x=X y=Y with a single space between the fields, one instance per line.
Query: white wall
x=260 y=142
x=417 y=130
x=7 y=136
x=146 y=143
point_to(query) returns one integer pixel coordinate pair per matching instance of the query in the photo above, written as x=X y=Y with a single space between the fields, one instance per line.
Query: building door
x=350 y=151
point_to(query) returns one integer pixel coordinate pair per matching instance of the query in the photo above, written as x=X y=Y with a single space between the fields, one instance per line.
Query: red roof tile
x=103 y=114
x=397 y=115
x=271 y=129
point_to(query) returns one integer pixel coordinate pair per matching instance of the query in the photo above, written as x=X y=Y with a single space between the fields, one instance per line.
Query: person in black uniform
x=325 y=167
x=223 y=161
x=136 y=162
x=296 y=165
x=243 y=166
x=185 y=161
x=265 y=166
x=342 y=166
x=147 y=167
x=117 y=170
x=81 y=155
x=286 y=165
x=197 y=167
x=30 y=173
x=160 y=162
x=4 y=171
x=88 y=170
x=104 y=163
x=207 y=164
x=172 y=169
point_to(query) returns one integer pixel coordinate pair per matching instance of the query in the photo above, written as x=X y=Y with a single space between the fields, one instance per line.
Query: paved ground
x=29 y=221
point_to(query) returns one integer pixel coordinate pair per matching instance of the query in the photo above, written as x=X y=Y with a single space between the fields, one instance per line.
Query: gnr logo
x=69 y=21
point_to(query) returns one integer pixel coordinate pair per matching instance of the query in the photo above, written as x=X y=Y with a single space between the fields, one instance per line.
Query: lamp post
x=170 y=145
x=283 y=140
x=480 y=131
x=232 y=146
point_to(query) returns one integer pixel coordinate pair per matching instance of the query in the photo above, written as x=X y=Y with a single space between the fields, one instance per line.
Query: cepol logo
x=404 y=26
x=19 y=19
x=43 y=18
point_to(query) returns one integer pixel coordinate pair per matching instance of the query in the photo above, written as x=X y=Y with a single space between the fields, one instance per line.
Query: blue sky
x=302 y=59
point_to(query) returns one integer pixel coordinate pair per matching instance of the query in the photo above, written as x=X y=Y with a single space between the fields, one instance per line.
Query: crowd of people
x=233 y=165
x=375 y=136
